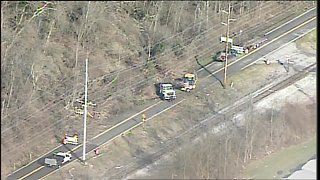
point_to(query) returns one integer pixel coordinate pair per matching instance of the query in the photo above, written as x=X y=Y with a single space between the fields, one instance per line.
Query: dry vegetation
x=128 y=45
x=222 y=157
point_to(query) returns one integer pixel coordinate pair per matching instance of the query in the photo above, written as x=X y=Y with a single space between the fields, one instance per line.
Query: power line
x=46 y=108
x=105 y=75
x=122 y=58
x=48 y=127
x=143 y=82
x=30 y=117
x=160 y=41
x=209 y=85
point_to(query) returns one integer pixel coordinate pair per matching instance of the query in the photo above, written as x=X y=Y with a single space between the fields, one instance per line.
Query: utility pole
x=227 y=43
x=85 y=114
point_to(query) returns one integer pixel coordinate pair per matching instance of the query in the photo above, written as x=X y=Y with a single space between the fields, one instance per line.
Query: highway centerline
x=221 y=69
x=162 y=101
x=126 y=131
x=280 y=47
x=263 y=45
x=266 y=34
x=126 y=120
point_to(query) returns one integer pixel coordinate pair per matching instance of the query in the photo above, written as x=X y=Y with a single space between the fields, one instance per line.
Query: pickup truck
x=58 y=159
x=51 y=162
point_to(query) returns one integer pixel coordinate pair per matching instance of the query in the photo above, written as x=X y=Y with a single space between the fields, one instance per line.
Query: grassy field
x=282 y=163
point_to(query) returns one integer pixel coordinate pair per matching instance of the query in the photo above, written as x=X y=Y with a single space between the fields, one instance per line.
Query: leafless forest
x=224 y=155
x=129 y=45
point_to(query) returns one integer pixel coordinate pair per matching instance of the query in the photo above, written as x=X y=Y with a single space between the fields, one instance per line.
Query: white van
x=238 y=49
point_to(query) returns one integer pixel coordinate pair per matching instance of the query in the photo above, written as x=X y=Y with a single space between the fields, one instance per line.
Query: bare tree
x=178 y=17
x=207 y=13
x=156 y=21
x=169 y=11
x=80 y=34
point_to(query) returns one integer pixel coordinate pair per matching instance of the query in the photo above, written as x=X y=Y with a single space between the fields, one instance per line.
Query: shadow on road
x=208 y=71
x=157 y=88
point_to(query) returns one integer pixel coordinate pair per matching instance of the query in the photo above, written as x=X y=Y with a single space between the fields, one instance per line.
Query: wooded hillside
x=129 y=45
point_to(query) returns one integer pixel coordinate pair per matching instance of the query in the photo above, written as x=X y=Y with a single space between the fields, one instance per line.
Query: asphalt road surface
x=212 y=73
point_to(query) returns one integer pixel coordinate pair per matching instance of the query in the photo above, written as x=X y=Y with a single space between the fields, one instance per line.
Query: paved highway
x=277 y=37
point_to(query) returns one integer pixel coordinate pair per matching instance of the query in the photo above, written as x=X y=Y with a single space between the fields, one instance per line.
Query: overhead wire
x=112 y=73
x=32 y=116
x=48 y=127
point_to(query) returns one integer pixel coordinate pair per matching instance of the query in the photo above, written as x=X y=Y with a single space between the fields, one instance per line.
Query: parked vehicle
x=189 y=82
x=221 y=56
x=66 y=156
x=51 y=162
x=167 y=92
x=70 y=139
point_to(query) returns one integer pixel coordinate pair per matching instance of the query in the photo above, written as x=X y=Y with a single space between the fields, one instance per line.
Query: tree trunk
x=156 y=21
x=178 y=20
x=11 y=85
x=3 y=107
x=144 y=5
x=251 y=142
x=48 y=37
x=201 y=18
x=168 y=15
x=207 y=13
x=195 y=16
x=259 y=9
x=80 y=34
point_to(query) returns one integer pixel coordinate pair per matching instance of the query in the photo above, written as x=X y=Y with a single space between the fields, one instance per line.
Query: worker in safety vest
x=144 y=120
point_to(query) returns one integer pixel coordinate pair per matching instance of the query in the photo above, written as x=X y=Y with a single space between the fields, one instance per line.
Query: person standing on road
x=144 y=120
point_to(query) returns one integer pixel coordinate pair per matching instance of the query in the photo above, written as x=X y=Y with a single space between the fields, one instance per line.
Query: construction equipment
x=70 y=139
x=81 y=112
x=89 y=103
x=167 y=92
x=221 y=56
x=189 y=82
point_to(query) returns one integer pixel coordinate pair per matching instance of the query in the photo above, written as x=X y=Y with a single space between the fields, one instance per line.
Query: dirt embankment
x=285 y=118
x=243 y=143
x=269 y=126
x=41 y=94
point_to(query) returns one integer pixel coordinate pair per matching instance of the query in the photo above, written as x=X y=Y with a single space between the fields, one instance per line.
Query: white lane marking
x=161 y=101
x=258 y=49
x=34 y=160
x=91 y=139
x=122 y=133
x=116 y=125
x=185 y=99
x=165 y=109
x=280 y=47
x=289 y=21
x=30 y=173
